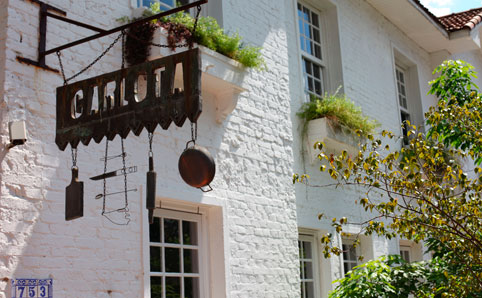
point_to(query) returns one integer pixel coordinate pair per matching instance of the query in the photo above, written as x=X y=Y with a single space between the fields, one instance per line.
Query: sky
x=445 y=7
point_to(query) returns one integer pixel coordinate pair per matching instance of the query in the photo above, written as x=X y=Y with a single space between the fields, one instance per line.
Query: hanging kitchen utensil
x=196 y=164
x=128 y=170
x=74 y=197
x=124 y=171
x=151 y=183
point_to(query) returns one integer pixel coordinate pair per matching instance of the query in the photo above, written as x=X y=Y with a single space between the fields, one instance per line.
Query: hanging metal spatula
x=74 y=197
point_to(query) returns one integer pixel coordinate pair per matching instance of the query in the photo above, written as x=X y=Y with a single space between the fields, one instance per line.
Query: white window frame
x=349 y=242
x=399 y=70
x=321 y=62
x=202 y=252
x=310 y=238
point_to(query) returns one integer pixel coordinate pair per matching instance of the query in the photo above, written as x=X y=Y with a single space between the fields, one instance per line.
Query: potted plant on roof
x=335 y=121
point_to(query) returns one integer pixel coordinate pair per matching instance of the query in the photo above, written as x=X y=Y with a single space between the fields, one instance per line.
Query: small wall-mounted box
x=18 y=133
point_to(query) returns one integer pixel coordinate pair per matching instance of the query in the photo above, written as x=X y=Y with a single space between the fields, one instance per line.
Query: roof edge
x=430 y=17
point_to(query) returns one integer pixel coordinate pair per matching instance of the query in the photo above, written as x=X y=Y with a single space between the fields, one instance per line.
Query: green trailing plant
x=180 y=26
x=340 y=110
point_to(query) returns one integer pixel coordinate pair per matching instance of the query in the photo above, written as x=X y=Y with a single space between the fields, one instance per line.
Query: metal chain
x=66 y=80
x=195 y=21
x=122 y=35
x=194 y=132
x=105 y=171
x=74 y=158
x=123 y=49
x=150 y=135
x=61 y=67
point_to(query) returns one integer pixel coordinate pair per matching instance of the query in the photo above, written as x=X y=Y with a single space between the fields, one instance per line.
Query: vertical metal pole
x=42 y=34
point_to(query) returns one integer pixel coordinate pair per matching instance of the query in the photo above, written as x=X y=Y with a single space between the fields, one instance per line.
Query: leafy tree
x=391 y=277
x=422 y=191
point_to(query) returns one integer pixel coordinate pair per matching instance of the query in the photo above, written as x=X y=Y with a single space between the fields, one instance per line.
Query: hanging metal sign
x=78 y=120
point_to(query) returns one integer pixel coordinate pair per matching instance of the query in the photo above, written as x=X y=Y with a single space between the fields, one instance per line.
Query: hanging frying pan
x=196 y=166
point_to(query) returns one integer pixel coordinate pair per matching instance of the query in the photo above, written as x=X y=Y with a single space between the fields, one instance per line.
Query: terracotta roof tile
x=456 y=21
x=461 y=20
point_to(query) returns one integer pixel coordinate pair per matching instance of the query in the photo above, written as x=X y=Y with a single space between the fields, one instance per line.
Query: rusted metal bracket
x=44 y=13
x=80 y=119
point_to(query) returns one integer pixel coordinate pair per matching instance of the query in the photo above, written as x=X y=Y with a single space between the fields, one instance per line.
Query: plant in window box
x=208 y=33
x=335 y=121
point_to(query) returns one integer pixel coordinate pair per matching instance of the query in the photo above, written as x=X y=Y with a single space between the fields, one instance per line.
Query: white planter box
x=222 y=77
x=335 y=139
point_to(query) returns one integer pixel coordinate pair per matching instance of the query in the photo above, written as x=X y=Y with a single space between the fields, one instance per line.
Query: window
x=411 y=251
x=165 y=4
x=175 y=255
x=405 y=253
x=350 y=258
x=213 y=8
x=402 y=100
x=311 y=50
x=308 y=266
x=407 y=92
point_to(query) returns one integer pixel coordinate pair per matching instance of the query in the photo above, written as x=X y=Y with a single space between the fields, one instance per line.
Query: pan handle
x=209 y=188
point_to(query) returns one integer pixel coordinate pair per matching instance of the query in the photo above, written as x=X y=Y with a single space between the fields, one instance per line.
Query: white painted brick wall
x=90 y=257
x=256 y=150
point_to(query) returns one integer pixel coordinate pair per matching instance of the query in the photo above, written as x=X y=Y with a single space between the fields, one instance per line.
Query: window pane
x=310 y=291
x=310 y=85
x=302 y=273
x=171 y=230
x=172 y=260
x=146 y=3
x=191 y=287
x=155 y=230
x=303 y=290
x=173 y=287
x=189 y=232
x=306 y=14
x=306 y=250
x=308 y=67
x=316 y=71
x=318 y=87
x=317 y=51
x=156 y=287
x=314 y=19
x=302 y=42
x=308 y=270
x=191 y=261
x=155 y=254
x=352 y=253
x=309 y=48
x=307 y=31
x=316 y=35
